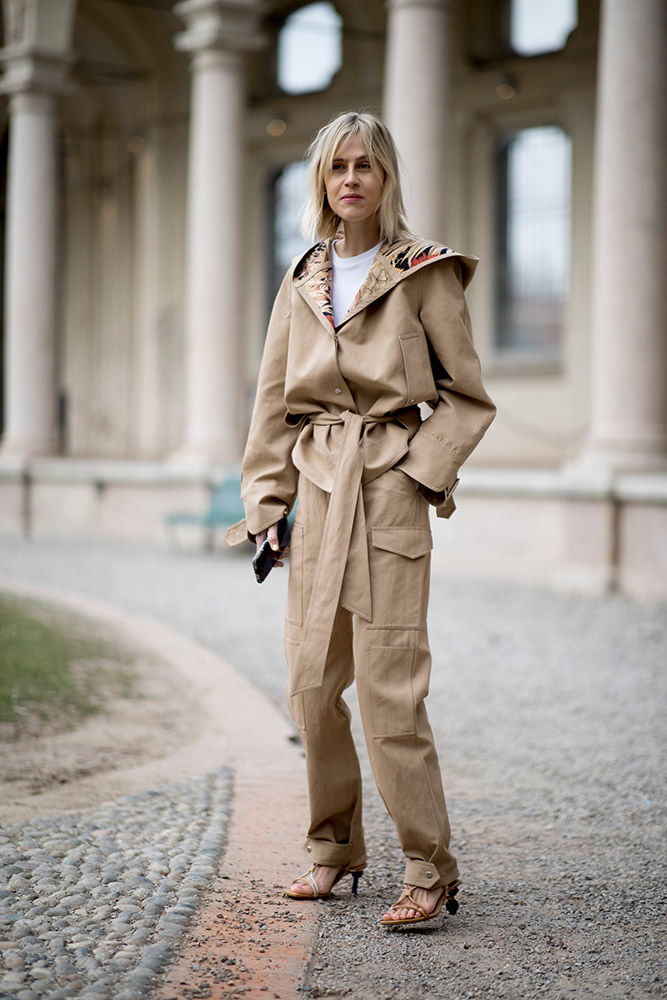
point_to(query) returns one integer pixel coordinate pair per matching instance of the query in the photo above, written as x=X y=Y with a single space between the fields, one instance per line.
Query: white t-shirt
x=349 y=274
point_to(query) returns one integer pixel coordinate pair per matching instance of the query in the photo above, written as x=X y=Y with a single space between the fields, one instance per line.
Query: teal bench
x=224 y=508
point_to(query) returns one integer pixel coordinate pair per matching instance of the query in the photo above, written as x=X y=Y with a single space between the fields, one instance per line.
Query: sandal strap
x=309 y=879
x=414 y=905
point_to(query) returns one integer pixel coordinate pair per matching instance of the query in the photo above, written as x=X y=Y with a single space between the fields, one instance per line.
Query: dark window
x=534 y=201
x=289 y=197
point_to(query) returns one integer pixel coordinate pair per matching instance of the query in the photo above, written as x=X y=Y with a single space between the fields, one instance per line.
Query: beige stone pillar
x=218 y=34
x=416 y=107
x=30 y=280
x=35 y=57
x=628 y=428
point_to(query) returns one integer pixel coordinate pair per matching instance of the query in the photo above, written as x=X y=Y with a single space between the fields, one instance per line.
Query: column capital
x=38 y=39
x=231 y=25
x=28 y=70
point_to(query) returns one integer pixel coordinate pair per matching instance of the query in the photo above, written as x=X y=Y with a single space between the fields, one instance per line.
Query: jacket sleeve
x=463 y=410
x=269 y=477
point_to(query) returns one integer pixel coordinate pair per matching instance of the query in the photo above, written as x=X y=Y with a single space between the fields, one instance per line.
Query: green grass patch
x=55 y=665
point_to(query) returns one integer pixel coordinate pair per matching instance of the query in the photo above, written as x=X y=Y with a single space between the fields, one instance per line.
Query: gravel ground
x=549 y=718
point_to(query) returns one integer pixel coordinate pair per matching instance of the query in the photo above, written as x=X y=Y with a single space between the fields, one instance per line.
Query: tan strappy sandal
x=356 y=871
x=446 y=896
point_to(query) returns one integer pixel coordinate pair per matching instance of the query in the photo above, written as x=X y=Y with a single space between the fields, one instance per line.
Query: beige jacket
x=405 y=340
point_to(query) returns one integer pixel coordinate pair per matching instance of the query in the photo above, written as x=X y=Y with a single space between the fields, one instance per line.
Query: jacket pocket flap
x=410 y=542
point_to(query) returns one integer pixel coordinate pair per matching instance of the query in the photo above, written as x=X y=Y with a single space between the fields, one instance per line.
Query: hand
x=272 y=534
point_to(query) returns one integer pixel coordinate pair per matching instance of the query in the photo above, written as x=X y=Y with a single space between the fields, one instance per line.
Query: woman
x=367 y=324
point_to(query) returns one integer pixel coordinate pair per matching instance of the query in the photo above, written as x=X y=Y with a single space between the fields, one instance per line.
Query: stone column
x=416 y=107
x=218 y=34
x=35 y=57
x=628 y=428
x=30 y=275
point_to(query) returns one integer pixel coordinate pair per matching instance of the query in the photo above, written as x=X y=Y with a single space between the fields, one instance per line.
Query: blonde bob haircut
x=319 y=220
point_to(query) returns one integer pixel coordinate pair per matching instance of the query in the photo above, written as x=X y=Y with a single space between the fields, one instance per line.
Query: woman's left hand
x=272 y=534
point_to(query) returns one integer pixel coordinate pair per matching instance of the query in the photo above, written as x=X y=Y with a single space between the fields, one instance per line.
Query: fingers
x=273 y=537
x=284 y=553
x=272 y=534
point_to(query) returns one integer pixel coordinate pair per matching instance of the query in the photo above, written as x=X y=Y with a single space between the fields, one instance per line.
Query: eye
x=337 y=166
x=364 y=166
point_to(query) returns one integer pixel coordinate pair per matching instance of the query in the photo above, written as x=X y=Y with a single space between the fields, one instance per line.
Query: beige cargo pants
x=391 y=660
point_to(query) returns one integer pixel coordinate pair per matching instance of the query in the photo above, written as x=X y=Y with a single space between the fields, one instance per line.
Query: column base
x=17 y=451
x=602 y=463
x=209 y=463
x=13 y=465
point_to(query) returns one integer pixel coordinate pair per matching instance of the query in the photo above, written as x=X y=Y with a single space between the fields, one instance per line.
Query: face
x=354 y=190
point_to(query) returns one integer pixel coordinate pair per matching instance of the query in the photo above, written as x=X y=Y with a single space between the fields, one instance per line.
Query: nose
x=350 y=176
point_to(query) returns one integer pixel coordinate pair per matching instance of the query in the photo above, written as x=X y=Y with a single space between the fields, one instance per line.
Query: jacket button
x=429 y=874
x=309 y=848
x=338 y=391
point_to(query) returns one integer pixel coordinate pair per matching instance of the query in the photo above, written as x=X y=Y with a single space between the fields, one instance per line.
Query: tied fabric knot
x=342 y=573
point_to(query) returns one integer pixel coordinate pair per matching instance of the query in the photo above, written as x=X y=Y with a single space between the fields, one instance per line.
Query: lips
x=351 y=197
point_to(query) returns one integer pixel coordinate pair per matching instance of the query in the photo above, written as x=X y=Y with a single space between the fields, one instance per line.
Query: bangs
x=320 y=222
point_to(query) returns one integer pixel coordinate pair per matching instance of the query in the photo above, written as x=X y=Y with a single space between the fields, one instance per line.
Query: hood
x=394 y=261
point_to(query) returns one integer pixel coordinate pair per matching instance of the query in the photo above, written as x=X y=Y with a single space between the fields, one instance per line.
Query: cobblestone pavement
x=92 y=904
x=548 y=712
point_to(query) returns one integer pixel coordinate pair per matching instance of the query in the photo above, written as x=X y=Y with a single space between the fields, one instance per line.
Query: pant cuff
x=426 y=875
x=323 y=852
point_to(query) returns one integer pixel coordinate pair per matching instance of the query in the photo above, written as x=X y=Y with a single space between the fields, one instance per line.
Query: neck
x=357 y=238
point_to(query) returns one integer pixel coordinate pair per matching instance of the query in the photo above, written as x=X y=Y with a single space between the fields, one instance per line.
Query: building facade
x=149 y=150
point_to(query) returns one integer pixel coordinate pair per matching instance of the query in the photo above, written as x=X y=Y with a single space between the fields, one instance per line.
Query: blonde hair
x=320 y=221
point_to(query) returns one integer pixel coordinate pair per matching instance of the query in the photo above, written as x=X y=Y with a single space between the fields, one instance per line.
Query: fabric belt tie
x=343 y=546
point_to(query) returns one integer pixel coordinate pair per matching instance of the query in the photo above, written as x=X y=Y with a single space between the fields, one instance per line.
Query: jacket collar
x=312 y=273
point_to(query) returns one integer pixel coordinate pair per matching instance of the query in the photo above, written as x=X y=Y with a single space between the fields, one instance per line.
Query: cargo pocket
x=399 y=571
x=294 y=612
x=409 y=542
x=388 y=680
